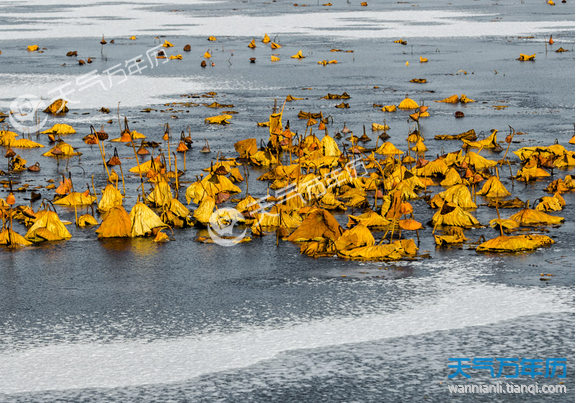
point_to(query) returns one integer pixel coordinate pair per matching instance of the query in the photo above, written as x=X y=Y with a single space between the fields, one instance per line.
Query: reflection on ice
x=460 y=302
x=125 y=19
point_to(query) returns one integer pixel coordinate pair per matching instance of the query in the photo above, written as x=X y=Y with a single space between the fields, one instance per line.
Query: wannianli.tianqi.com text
x=509 y=388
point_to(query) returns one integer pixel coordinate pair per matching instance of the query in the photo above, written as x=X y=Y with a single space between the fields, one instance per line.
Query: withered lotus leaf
x=144 y=220
x=47 y=227
x=318 y=224
x=116 y=224
x=12 y=238
x=515 y=243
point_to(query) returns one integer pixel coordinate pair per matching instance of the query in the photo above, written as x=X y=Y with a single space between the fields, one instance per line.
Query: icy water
x=130 y=320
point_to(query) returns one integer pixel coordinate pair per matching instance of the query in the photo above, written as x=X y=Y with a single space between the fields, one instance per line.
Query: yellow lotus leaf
x=205 y=210
x=144 y=220
x=419 y=80
x=290 y=98
x=324 y=248
x=207 y=55
x=565 y=161
x=554 y=203
x=437 y=167
x=278 y=216
x=236 y=175
x=452 y=178
x=266 y=38
x=356 y=201
x=478 y=162
x=147 y=166
x=132 y=38
x=127 y=136
x=572 y=140
x=274 y=58
x=526 y=152
x=516 y=203
x=420 y=147
x=493 y=188
x=275 y=123
x=388 y=148
x=450 y=100
x=65 y=187
x=275 y=45
x=414 y=137
x=218 y=120
x=490 y=142
x=60 y=128
x=252 y=44
x=329 y=202
x=374 y=253
x=298 y=55
x=452 y=214
x=51 y=222
x=505 y=224
x=515 y=243
x=111 y=197
x=223 y=184
x=406 y=189
x=281 y=172
x=76 y=199
x=25 y=143
x=356 y=237
x=212 y=38
x=65 y=148
x=389 y=108
x=161 y=237
x=453 y=158
x=329 y=147
x=57 y=107
x=176 y=207
x=86 y=220
x=406 y=247
x=263 y=158
x=161 y=195
x=525 y=58
x=12 y=238
x=18 y=163
x=561 y=185
x=464 y=99
x=32 y=48
x=199 y=190
x=318 y=224
x=408 y=103
x=449 y=239
x=529 y=173
x=116 y=224
x=167 y=44
x=7 y=137
x=248 y=204
x=369 y=219
x=468 y=135
x=174 y=57
x=529 y=217
x=409 y=225
x=378 y=127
